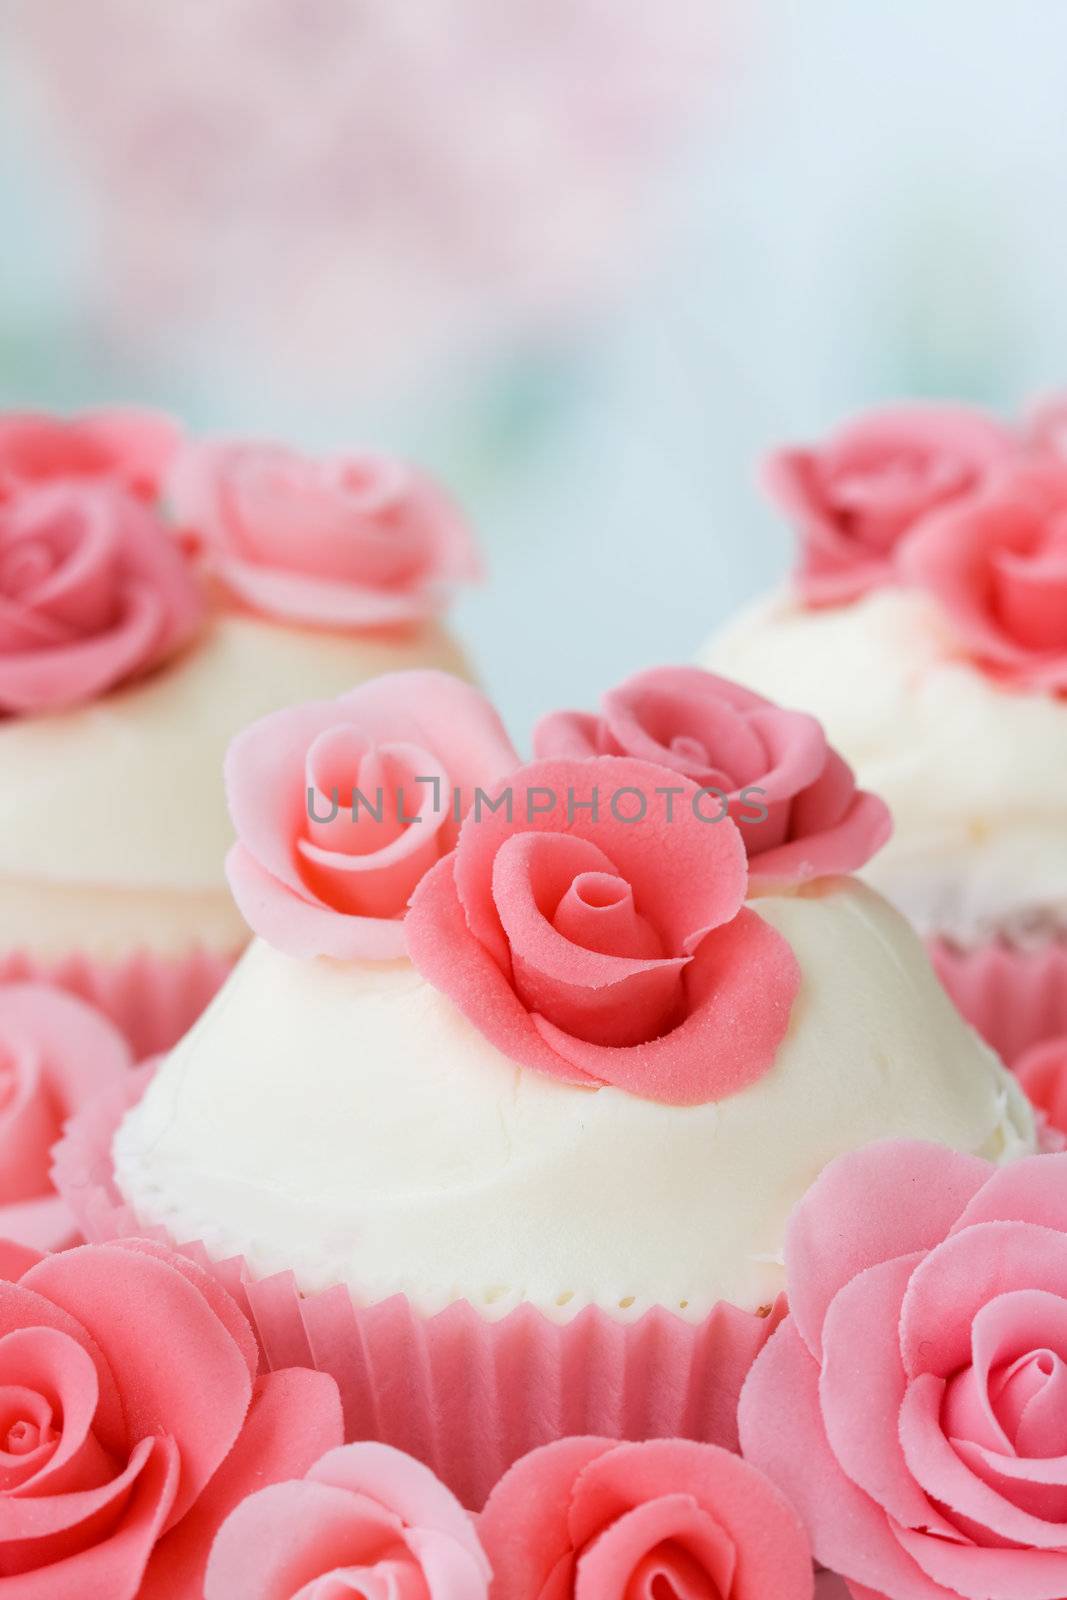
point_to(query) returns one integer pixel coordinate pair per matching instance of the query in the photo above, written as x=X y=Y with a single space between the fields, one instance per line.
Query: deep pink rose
x=997 y=566
x=598 y=933
x=93 y=591
x=913 y=1406
x=1042 y=1071
x=794 y=799
x=853 y=498
x=129 y=448
x=358 y=541
x=56 y=1053
x=593 y=1519
x=133 y=1422
x=365 y=1520
x=341 y=805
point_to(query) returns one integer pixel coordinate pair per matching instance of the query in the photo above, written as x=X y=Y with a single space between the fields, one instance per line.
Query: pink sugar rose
x=593 y=1519
x=129 y=448
x=997 y=567
x=341 y=805
x=1042 y=1071
x=357 y=541
x=593 y=927
x=93 y=591
x=56 y=1053
x=912 y=1405
x=365 y=1520
x=853 y=498
x=793 y=797
x=133 y=1422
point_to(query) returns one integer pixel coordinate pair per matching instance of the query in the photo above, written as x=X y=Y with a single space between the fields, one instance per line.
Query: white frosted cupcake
x=926 y=626
x=523 y=1156
x=129 y=657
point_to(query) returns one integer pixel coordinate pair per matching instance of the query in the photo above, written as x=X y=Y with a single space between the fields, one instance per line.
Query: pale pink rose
x=1042 y=1071
x=131 y=449
x=792 y=796
x=912 y=1405
x=133 y=1422
x=853 y=498
x=354 y=541
x=593 y=1519
x=365 y=1520
x=593 y=927
x=997 y=567
x=56 y=1053
x=93 y=591
x=341 y=805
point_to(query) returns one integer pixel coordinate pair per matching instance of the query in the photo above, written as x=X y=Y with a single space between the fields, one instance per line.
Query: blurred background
x=586 y=258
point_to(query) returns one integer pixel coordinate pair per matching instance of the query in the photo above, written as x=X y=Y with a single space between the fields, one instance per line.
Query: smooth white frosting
x=113 y=821
x=345 y=1121
x=975 y=773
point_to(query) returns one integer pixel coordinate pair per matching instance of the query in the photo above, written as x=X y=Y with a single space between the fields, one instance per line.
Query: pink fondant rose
x=912 y=1406
x=56 y=1053
x=365 y=1520
x=133 y=1422
x=349 y=542
x=130 y=448
x=855 y=497
x=794 y=799
x=340 y=806
x=1042 y=1071
x=592 y=1519
x=998 y=568
x=593 y=927
x=92 y=592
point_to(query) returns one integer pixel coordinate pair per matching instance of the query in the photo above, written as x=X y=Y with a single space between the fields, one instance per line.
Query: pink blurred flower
x=364 y=189
x=997 y=567
x=56 y=1053
x=855 y=497
x=354 y=541
x=128 y=448
x=364 y=1520
x=93 y=591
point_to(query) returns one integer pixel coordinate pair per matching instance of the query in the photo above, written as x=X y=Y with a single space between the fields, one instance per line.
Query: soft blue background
x=874 y=208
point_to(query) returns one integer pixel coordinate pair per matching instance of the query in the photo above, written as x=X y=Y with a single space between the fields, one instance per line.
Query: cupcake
x=500 y=1117
x=926 y=626
x=155 y=596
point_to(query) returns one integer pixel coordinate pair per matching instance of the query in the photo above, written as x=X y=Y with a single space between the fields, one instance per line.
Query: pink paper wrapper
x=152 y=999
x=464 y=1395
x=1014 y=997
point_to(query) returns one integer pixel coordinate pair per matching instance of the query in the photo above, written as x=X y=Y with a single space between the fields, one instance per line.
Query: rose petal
x=782 y=1434
x=295 y=1416
x=135 y=1305
x=899 y=1195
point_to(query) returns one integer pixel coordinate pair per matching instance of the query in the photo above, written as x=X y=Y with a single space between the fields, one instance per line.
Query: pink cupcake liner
x=1014 y=997
x=152 y=999
x=464 y=1395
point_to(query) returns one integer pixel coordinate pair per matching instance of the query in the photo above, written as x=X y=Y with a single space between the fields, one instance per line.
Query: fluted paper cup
x=465 y=1395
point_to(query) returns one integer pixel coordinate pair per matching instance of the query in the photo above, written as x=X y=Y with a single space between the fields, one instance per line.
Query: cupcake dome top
x=548 y=1033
